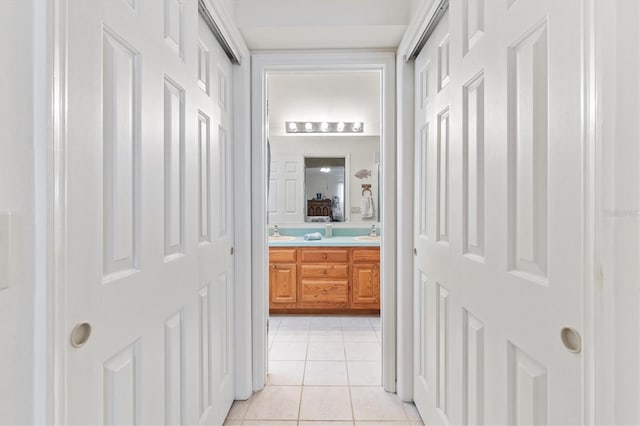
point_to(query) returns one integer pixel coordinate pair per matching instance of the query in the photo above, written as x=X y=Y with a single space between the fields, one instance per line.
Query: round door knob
x=571 y=339
x=80 y=334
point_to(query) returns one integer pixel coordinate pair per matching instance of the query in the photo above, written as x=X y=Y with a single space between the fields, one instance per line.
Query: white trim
x=417 y=27
x=228 y=28
x=57 y=201
x=405 y=171
x=325 y=60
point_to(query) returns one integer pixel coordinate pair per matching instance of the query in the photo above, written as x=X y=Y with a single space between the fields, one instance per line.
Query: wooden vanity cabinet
x=283 y=277
x=324 y=280
x=365 y=278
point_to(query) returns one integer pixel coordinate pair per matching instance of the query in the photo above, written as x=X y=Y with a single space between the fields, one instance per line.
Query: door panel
x=285 y=189
x=498 y=214
x=148 y=221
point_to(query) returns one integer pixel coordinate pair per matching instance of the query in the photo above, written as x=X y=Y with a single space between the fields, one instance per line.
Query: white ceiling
x=323 y=96
x=323 y=24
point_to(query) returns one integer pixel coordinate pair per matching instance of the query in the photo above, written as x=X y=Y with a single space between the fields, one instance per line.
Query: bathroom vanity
x=333 y=275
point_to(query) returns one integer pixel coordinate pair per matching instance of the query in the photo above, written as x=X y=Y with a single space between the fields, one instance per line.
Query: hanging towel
x=313 y=236
x=367 y=209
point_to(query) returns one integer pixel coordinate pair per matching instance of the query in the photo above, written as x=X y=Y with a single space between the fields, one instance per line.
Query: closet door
x=215 y=249
x=499 y=215
x=149 y=307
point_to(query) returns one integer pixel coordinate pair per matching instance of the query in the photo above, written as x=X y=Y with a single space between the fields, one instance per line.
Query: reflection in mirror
x=324 y=189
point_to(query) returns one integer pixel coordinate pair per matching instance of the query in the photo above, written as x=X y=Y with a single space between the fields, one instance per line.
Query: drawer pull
x=324 y=291
x=324 y=271
x=375 y=266
x=273 y=266
x=324 y=256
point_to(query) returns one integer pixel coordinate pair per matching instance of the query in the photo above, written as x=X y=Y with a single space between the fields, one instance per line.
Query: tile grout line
x=353 y=413
x=304 y=373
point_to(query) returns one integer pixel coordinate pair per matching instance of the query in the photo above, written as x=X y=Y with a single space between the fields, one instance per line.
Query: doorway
x=283 y=63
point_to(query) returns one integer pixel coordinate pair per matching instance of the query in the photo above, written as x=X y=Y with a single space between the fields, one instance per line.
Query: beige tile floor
x=323 y=371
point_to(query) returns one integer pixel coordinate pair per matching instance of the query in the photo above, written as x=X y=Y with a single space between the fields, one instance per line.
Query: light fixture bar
x=324 y=127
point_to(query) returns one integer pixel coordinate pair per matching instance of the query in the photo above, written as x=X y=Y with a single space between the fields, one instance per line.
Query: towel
x=367 y=210
x=313 y=236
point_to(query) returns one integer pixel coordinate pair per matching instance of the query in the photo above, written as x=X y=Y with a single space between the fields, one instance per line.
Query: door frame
x=265 y=62
x=52 y=155
x=594 y=328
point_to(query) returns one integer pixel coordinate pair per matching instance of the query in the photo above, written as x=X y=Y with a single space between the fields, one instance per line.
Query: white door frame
x=594 y=327
x=262 y=63
x=55 y=153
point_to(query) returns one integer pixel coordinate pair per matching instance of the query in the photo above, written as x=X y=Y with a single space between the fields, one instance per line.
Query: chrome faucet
x=276 y=231
x=373 y=232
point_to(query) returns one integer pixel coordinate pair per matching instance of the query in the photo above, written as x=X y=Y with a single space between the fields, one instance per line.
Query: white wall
x=17 y=196
x=362 y=149
x=619 y=61
x=324 y=96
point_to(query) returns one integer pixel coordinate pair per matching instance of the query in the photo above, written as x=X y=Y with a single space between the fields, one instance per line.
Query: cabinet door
x=366 y=286
x=282 y=284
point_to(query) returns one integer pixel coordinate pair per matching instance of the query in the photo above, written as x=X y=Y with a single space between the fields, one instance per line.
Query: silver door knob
x=80 y=334
x=571 y=339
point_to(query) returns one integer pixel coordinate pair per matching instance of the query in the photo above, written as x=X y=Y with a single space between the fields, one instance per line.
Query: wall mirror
x=324 y=171
x=324 y=189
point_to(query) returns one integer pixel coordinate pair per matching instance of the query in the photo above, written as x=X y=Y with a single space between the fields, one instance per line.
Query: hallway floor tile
x=324 y=371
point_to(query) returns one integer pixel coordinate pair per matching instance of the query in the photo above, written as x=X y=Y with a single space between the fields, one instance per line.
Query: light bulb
x=356 y=126
x=340 y=126
x=324 y=126
x=308 y=127
x=293 y=127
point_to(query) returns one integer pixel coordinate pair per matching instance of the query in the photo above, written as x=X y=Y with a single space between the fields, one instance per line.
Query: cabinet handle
x=375 y=266
x=273 y=266
x=324 y=291
x=324 y=271
x=324 y=256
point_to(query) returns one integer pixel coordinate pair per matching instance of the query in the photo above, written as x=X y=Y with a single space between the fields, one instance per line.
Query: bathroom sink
x=367 y=238
x=281 y=238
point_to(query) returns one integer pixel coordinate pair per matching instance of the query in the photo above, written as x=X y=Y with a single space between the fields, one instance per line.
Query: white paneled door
x=286 y=186
x=499 y=215
x=149 y=222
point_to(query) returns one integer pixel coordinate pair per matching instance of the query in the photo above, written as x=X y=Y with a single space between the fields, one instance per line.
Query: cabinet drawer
x=365 y=255
x=325 y=291
x=282 y=255
x=324 y=255
x=324 y=271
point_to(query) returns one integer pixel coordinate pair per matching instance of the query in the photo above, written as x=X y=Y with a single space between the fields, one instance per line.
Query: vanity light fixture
x=324 y=127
